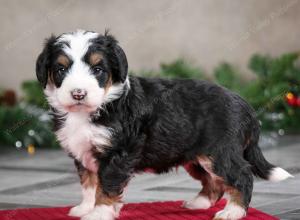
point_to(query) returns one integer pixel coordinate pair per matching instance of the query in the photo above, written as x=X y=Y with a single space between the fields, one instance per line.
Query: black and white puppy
x=114 y=126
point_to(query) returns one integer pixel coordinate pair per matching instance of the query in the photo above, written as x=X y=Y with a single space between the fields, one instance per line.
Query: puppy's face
x=81 y=71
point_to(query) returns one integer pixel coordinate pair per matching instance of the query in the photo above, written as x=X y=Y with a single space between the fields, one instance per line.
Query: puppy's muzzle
x=78 y=94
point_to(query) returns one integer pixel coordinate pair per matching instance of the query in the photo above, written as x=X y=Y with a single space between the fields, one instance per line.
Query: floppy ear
x=116 y=56
x=41 y=69
x=122 y=64
x=42 y=63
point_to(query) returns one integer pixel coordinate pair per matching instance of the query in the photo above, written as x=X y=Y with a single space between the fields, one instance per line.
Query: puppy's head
x=81 y=71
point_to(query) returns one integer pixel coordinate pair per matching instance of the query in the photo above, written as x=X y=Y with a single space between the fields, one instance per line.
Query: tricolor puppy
x=115 y=125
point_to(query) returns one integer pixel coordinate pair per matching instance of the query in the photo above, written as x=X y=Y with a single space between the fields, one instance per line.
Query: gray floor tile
x=16 y=179
x=291 y=215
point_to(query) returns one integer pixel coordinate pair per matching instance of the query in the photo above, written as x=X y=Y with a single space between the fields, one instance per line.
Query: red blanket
x=138 y=211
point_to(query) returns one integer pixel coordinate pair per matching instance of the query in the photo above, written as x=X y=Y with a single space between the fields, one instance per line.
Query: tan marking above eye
x=63 y=60
x=95 y=58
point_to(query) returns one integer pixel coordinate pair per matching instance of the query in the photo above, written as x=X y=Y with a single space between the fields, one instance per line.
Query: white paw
x=101 y=212
x=80 y=210
x=118 y=206
x=231 y=212
x=199 y=202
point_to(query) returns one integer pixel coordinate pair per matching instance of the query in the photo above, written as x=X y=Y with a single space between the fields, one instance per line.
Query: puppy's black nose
x=78 y=94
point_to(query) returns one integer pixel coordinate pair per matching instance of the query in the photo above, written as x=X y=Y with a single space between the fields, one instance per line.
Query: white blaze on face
x=78 y=76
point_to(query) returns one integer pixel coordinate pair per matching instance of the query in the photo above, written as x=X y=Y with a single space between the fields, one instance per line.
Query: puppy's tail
x=261 y=167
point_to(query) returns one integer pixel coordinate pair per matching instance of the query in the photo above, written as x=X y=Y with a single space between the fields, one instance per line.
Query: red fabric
x=139 y=211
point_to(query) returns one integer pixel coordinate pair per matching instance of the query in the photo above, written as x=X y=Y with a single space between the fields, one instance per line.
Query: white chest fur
x=78 y=135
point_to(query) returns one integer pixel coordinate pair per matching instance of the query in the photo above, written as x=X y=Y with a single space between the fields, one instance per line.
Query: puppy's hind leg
x=238 y=178
x=212 y=188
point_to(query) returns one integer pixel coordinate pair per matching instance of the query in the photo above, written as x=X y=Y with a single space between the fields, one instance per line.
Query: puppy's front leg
x=89 y=182
x=113 y=175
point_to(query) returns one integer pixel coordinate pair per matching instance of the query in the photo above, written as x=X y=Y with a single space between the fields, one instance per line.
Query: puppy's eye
x=97 y=70
x=61 y=70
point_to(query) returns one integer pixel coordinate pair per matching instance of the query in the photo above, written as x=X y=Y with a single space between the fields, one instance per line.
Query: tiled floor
x=48 y=179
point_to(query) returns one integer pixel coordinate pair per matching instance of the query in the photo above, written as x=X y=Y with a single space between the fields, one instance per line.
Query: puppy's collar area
x=101 y=110
x=96 y=115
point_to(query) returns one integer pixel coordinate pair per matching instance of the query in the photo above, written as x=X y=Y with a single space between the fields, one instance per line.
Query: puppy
x=114 y=126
